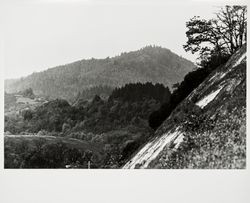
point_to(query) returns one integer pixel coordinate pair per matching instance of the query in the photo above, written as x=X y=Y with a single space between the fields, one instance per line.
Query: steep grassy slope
x=208 y=129
x=150 y=64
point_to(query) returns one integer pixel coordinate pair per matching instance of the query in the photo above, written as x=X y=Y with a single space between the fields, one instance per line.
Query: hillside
x=207 y=129
x=117 y=125
x=149 y=64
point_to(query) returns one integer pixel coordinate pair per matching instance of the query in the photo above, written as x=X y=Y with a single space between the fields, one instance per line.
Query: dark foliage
x=27 y=115
x=224 y=34
x=89 y=93
x=118 y=125
x=139 y=91
x=41 y=154
x=190 y=82
x=28 y=93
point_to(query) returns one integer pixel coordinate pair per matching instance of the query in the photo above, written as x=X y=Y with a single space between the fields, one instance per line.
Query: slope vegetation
x=206 y=130
x=116 y=126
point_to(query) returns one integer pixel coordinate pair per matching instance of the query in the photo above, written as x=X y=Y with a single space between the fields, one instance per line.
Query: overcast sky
x=39 y=34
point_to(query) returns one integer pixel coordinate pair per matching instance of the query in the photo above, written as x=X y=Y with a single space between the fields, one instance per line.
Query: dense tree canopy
x=139 y=91
x=118 y=125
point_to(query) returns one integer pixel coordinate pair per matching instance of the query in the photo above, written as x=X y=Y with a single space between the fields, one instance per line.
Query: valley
x=143 y=109
x=118 y=131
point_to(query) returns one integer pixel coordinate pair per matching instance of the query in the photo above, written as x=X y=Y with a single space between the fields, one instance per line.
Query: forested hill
x=149 y=64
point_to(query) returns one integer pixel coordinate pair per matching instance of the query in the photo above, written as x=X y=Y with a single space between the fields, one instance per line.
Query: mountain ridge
x=149 y=64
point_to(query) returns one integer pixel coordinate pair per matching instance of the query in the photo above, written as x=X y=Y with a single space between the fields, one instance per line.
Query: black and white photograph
x=107 y=86
x=117 y=101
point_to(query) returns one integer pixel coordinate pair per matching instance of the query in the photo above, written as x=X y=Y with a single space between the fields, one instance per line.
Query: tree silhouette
x=224 y=34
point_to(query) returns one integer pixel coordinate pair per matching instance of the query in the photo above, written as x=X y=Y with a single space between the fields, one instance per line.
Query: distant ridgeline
x=93 y=76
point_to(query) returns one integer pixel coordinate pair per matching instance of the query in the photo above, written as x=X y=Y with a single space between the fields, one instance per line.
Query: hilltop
x=149 y=64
